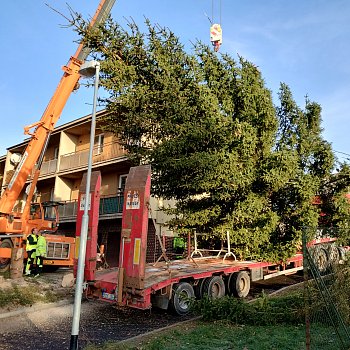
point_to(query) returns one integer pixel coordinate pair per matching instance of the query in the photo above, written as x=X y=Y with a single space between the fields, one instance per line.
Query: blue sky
x=304 y=44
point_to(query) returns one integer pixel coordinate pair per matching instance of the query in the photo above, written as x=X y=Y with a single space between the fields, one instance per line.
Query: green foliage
x=337 y=283
x=17 y=296
x=217 y=144
x=340 y=290
x=25 y=296
x=334 y=203
x=263 y=311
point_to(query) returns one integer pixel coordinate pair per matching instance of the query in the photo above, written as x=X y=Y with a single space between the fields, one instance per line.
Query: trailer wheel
x=198 y=289
x=239 y=284
x=214 y=287
x=334 y=254
x=182 y=294
x=320 y=258
x=5 y=262
x=342 y=253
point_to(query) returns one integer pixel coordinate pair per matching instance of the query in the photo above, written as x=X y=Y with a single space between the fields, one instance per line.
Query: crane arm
x=101 y=15
x=51 y=115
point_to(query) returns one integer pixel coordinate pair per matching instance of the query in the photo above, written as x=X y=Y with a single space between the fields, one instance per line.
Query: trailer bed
x=161 y=274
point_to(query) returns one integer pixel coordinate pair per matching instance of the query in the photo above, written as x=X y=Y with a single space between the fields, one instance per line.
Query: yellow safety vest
x=41 y=246
x=31 y=242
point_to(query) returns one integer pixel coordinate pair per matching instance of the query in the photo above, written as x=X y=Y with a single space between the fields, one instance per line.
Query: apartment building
x=65 y=162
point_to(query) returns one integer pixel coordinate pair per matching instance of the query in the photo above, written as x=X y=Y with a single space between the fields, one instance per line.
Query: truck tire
x=198 y=289
x=180 y=301
x=320 y=257
x=214 y=287
x=333 y=254
x=5 y=262
x=239 y=284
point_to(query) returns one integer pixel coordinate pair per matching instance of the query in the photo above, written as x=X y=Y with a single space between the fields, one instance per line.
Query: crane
x=15 y=226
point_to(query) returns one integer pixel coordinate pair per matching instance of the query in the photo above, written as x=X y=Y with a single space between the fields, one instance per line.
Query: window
x=55 y=153
x=98 y=145
x=35 y=211
x=122 y=181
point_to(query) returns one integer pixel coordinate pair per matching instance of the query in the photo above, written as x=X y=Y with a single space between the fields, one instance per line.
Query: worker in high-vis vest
x=179 y=246
x=40 y=254
x=32 y=240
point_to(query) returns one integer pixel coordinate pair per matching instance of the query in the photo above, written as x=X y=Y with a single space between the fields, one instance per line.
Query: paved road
x=50 y=329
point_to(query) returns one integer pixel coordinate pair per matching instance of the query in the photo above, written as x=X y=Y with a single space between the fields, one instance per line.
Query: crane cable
x=215 y=29
x=212 y=11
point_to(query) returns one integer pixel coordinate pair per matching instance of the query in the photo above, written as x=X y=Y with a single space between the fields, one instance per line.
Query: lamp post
x=87 y=70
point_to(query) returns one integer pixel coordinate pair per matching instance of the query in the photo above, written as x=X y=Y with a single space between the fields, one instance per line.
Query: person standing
x=40 y=254
x=31 y=244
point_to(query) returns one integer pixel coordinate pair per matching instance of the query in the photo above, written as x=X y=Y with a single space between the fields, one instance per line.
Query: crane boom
x=49 y=118
x=102 y=12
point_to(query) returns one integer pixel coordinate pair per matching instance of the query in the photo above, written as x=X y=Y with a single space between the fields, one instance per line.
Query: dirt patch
x=26 y=291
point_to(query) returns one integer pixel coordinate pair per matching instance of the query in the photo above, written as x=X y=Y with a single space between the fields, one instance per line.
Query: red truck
x=166 y=284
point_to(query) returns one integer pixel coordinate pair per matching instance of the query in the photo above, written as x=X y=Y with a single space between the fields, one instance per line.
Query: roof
x=58 y=129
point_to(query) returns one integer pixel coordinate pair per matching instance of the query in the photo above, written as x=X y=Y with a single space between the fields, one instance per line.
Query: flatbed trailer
x=209 y=275
x=169 y=284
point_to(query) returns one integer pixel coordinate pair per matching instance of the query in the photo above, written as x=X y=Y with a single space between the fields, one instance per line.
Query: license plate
x=108 y=296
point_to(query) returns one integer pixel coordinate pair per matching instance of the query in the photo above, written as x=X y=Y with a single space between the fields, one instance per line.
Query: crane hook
x=216 y=36
x=215 y=30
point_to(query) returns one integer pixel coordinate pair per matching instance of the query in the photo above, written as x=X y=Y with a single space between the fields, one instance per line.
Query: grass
x=25 y=295
x=269 y=323
x=222 y=335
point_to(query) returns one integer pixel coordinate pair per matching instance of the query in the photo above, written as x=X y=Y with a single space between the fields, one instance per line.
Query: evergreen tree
x=312 y=191
x=207 y=125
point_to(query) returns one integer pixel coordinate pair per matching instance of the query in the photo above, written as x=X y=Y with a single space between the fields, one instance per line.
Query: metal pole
x=306 y=291
x=84 y=225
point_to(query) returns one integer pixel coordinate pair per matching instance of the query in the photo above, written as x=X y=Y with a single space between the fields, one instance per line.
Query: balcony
x=48 y=167
x=110 y=207
x=104 y=153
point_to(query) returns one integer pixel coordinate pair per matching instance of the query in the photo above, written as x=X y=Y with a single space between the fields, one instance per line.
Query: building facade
x=65 y=162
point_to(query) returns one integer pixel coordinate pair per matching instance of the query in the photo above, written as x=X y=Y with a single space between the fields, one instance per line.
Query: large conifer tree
x=207 y=125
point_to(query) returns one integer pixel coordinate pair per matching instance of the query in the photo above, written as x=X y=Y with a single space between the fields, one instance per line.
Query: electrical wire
x=343 y=157
x=346 y=154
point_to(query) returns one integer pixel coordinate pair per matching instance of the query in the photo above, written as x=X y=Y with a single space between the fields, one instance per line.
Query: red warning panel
x=135 y=225
x=93 y=212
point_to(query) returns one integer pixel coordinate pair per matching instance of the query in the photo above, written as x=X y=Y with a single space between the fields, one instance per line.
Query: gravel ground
x=50 y=329
x=100 y=322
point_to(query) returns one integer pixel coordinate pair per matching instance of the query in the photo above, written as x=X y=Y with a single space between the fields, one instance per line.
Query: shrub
x=261 y=312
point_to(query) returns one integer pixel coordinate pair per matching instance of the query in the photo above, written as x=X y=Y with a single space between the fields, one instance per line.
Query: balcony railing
x=111 y=205
x=103 y=153
x=68 y=209
x=48 y=167
x=108 y=205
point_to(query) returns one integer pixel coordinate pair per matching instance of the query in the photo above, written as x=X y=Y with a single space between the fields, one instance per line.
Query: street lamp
x=87 y=70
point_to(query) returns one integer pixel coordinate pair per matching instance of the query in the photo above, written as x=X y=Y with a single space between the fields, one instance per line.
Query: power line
x=347 y=154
